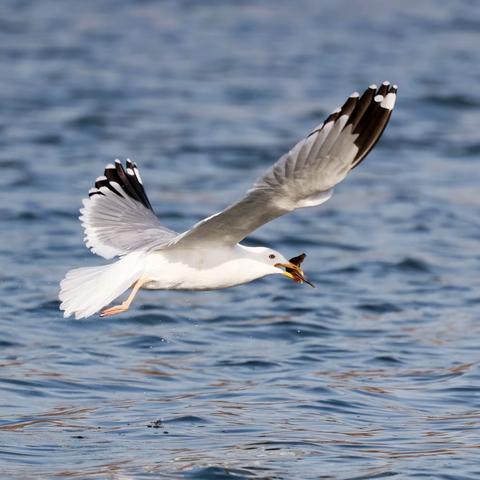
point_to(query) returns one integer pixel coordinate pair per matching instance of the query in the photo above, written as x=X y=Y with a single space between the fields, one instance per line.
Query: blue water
x=373 y=374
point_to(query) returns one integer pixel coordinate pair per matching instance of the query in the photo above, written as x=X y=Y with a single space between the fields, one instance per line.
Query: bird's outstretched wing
x=306 y=175
x=117 y=215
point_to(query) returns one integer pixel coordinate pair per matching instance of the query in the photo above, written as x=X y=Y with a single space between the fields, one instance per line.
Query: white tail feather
x=84 y=291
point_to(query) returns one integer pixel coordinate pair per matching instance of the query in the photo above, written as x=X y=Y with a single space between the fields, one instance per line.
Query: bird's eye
x=272 y=256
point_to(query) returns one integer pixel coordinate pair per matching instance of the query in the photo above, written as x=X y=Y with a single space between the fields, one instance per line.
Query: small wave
x=144 y=341
x=249 y=364
x=190 y=419
x=386 y=359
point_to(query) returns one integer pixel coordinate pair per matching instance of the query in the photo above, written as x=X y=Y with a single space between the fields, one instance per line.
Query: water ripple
x=373 y=374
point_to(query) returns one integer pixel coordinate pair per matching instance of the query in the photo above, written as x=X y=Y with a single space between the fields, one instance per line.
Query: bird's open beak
x=293 y=270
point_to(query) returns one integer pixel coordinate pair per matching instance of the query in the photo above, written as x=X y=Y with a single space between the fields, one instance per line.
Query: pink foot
x=115 y=310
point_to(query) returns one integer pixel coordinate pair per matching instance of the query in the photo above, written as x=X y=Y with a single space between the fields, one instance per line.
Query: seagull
x=119 y=220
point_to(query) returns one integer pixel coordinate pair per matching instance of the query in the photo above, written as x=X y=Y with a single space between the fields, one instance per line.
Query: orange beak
x=293 y=270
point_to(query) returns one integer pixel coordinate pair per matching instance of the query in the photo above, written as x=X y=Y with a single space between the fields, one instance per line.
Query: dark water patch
x=240 y=431
x=473 y=301
x=376 y=475
x=14 y=164
x=348 y=270
x=453 y=101
x=23 y=391
x=411 y=264
x=153 y=318
x=385 y=360
x=62 y=53
x=50 y=306
x=28 y=216
x=48 y=139
x=249 y=364
x=322 y=244
x=328 y=312
x=279 y=444
x=245 y=95
x=324 y=391
x=239 y=156
x=411 y=143
x=366 y=332
x=144 y=342
x=333 y=405
x=9 y=344
x=288 y=330
x=465 y=149
x=381 y=307
x=408 y=265
x=315 y=113
x=326 y=351
x=89 y=120
x=218 y=473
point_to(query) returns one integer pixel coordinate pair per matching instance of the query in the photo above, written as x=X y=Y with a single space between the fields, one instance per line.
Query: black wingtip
x=374 y=120
x=129 y=182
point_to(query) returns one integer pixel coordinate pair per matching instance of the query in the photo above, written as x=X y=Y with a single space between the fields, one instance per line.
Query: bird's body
x=205 y=269
x=119 y=220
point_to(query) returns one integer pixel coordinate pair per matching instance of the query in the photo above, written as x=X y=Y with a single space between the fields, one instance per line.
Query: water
x=373 y=374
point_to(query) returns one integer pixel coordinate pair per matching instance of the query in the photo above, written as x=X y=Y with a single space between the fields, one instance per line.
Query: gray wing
x=118 y=217
x=305 y=176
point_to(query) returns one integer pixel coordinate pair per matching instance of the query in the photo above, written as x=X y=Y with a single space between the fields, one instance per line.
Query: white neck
x=248 y=263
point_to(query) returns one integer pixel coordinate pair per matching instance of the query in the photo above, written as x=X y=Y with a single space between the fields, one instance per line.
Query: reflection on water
x=374 y=374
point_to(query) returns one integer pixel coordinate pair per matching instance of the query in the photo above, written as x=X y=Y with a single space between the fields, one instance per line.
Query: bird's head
x=280 y=265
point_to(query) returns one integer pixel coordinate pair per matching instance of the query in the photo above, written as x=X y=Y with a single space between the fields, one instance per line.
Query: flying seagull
x=119 y=220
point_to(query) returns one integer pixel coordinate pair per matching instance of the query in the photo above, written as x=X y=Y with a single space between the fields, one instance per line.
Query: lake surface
x=373 y=374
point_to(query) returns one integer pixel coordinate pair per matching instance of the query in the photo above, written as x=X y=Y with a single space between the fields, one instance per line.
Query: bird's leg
x=124 y=306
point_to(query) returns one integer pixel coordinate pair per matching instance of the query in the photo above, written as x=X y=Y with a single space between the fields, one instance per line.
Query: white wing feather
x=305 y=176
x=117 y=216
